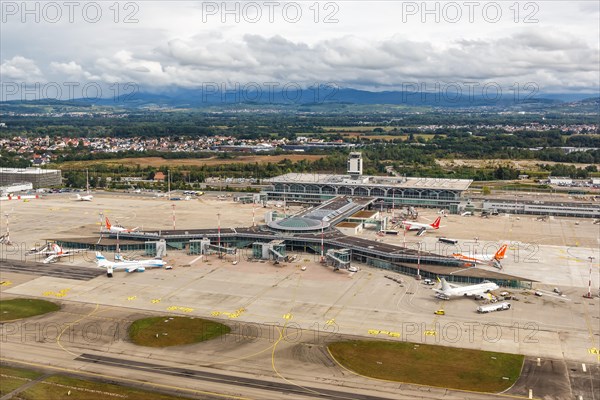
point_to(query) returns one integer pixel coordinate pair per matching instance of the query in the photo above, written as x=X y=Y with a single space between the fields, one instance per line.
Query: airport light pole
x=219 y=232
x=588 y=295
x=284 y=200
x=173 y=214
x=168 y=184
x=322 y=241
x=7 y=238
x=419 y=262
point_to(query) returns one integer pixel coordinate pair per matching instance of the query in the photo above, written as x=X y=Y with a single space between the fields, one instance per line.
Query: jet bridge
x=275 y=249
x=338 y=258
x=204 y=246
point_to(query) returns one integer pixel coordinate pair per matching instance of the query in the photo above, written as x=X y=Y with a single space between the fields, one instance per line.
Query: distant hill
x=190 y=98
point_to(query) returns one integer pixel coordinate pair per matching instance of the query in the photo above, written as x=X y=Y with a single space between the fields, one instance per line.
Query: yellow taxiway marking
x=287 y=316
x=131 y=298
x=430 y=333
x=383 y=332
x=155 y=301
x=234 y=314
x=60 y=293
x=594 y=350
x=5 y=283
x=330 y=321
x=179 y=308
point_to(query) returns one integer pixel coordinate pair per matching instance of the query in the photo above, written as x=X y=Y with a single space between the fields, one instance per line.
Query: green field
x=174 y=331
x=12 y=378
x=24 y=308
x=63 y=387
x=431 y=365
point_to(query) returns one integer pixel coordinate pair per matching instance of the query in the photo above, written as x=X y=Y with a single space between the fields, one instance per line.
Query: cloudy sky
x=374 y=45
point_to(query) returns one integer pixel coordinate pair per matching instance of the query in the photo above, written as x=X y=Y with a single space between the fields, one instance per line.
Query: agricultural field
x=531 y=165
x=159 y=161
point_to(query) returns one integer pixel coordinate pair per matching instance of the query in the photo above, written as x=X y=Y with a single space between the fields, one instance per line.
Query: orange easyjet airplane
x=484 y=259
x=118 y=228
x=415 y=226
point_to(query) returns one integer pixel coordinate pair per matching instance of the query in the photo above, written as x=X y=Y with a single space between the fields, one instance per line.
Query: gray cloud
x=175 y=49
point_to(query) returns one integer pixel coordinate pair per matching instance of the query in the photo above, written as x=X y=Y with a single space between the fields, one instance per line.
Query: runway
x=224 y=379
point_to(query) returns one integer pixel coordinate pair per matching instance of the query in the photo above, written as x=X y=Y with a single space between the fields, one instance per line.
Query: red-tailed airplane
x=118 y=228
x=53 y=252
x=486 y=259
x=420 y=227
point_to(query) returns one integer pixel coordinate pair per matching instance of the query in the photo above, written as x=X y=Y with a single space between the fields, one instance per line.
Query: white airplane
x=420 y=227
x=479 y=290
x=486 y=259
x=87 y=197
x=53 y=252
x=127 y=266
x=118 y=228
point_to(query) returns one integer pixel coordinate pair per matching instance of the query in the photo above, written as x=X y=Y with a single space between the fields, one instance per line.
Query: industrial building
x=554 y=208
x=387 y=191
x=15 y=187
x=39 y=178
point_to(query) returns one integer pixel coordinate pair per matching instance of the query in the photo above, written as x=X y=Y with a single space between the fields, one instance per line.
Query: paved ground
x=316 y=304
x=54 y=270
x=253 y=361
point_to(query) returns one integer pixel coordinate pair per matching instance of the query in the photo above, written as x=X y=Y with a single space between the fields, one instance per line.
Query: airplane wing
x=51 y=258
x=73 y=251
x=421 y=231
x=480 y=294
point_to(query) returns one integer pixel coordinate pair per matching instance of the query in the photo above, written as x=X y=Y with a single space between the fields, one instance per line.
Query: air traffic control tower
x=355 y=165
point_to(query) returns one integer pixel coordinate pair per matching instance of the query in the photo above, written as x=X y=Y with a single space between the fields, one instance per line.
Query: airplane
x=479 y=290
x=87 y=197
x=486 y=259
x=118 y=228
x=128 y=266
x=420 y=227
x=53 y=252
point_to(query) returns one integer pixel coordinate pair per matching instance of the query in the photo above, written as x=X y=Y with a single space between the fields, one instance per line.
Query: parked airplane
x=128 y=266
x=479 y=290
x=487 y=259
x=118 y=228
x=420 y=227
x=53 y=252
x=87 y=197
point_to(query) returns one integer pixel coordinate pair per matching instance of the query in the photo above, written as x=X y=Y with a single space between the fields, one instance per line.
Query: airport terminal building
x=388 y=191
x=40 y=178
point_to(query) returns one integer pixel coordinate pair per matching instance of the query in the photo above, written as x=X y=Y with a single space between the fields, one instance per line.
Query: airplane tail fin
x=436 y=223
x=56 y=248
x=100 y=257
x=107 y=223
x=78 y=197
x=501 y=252
x=445 y=285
